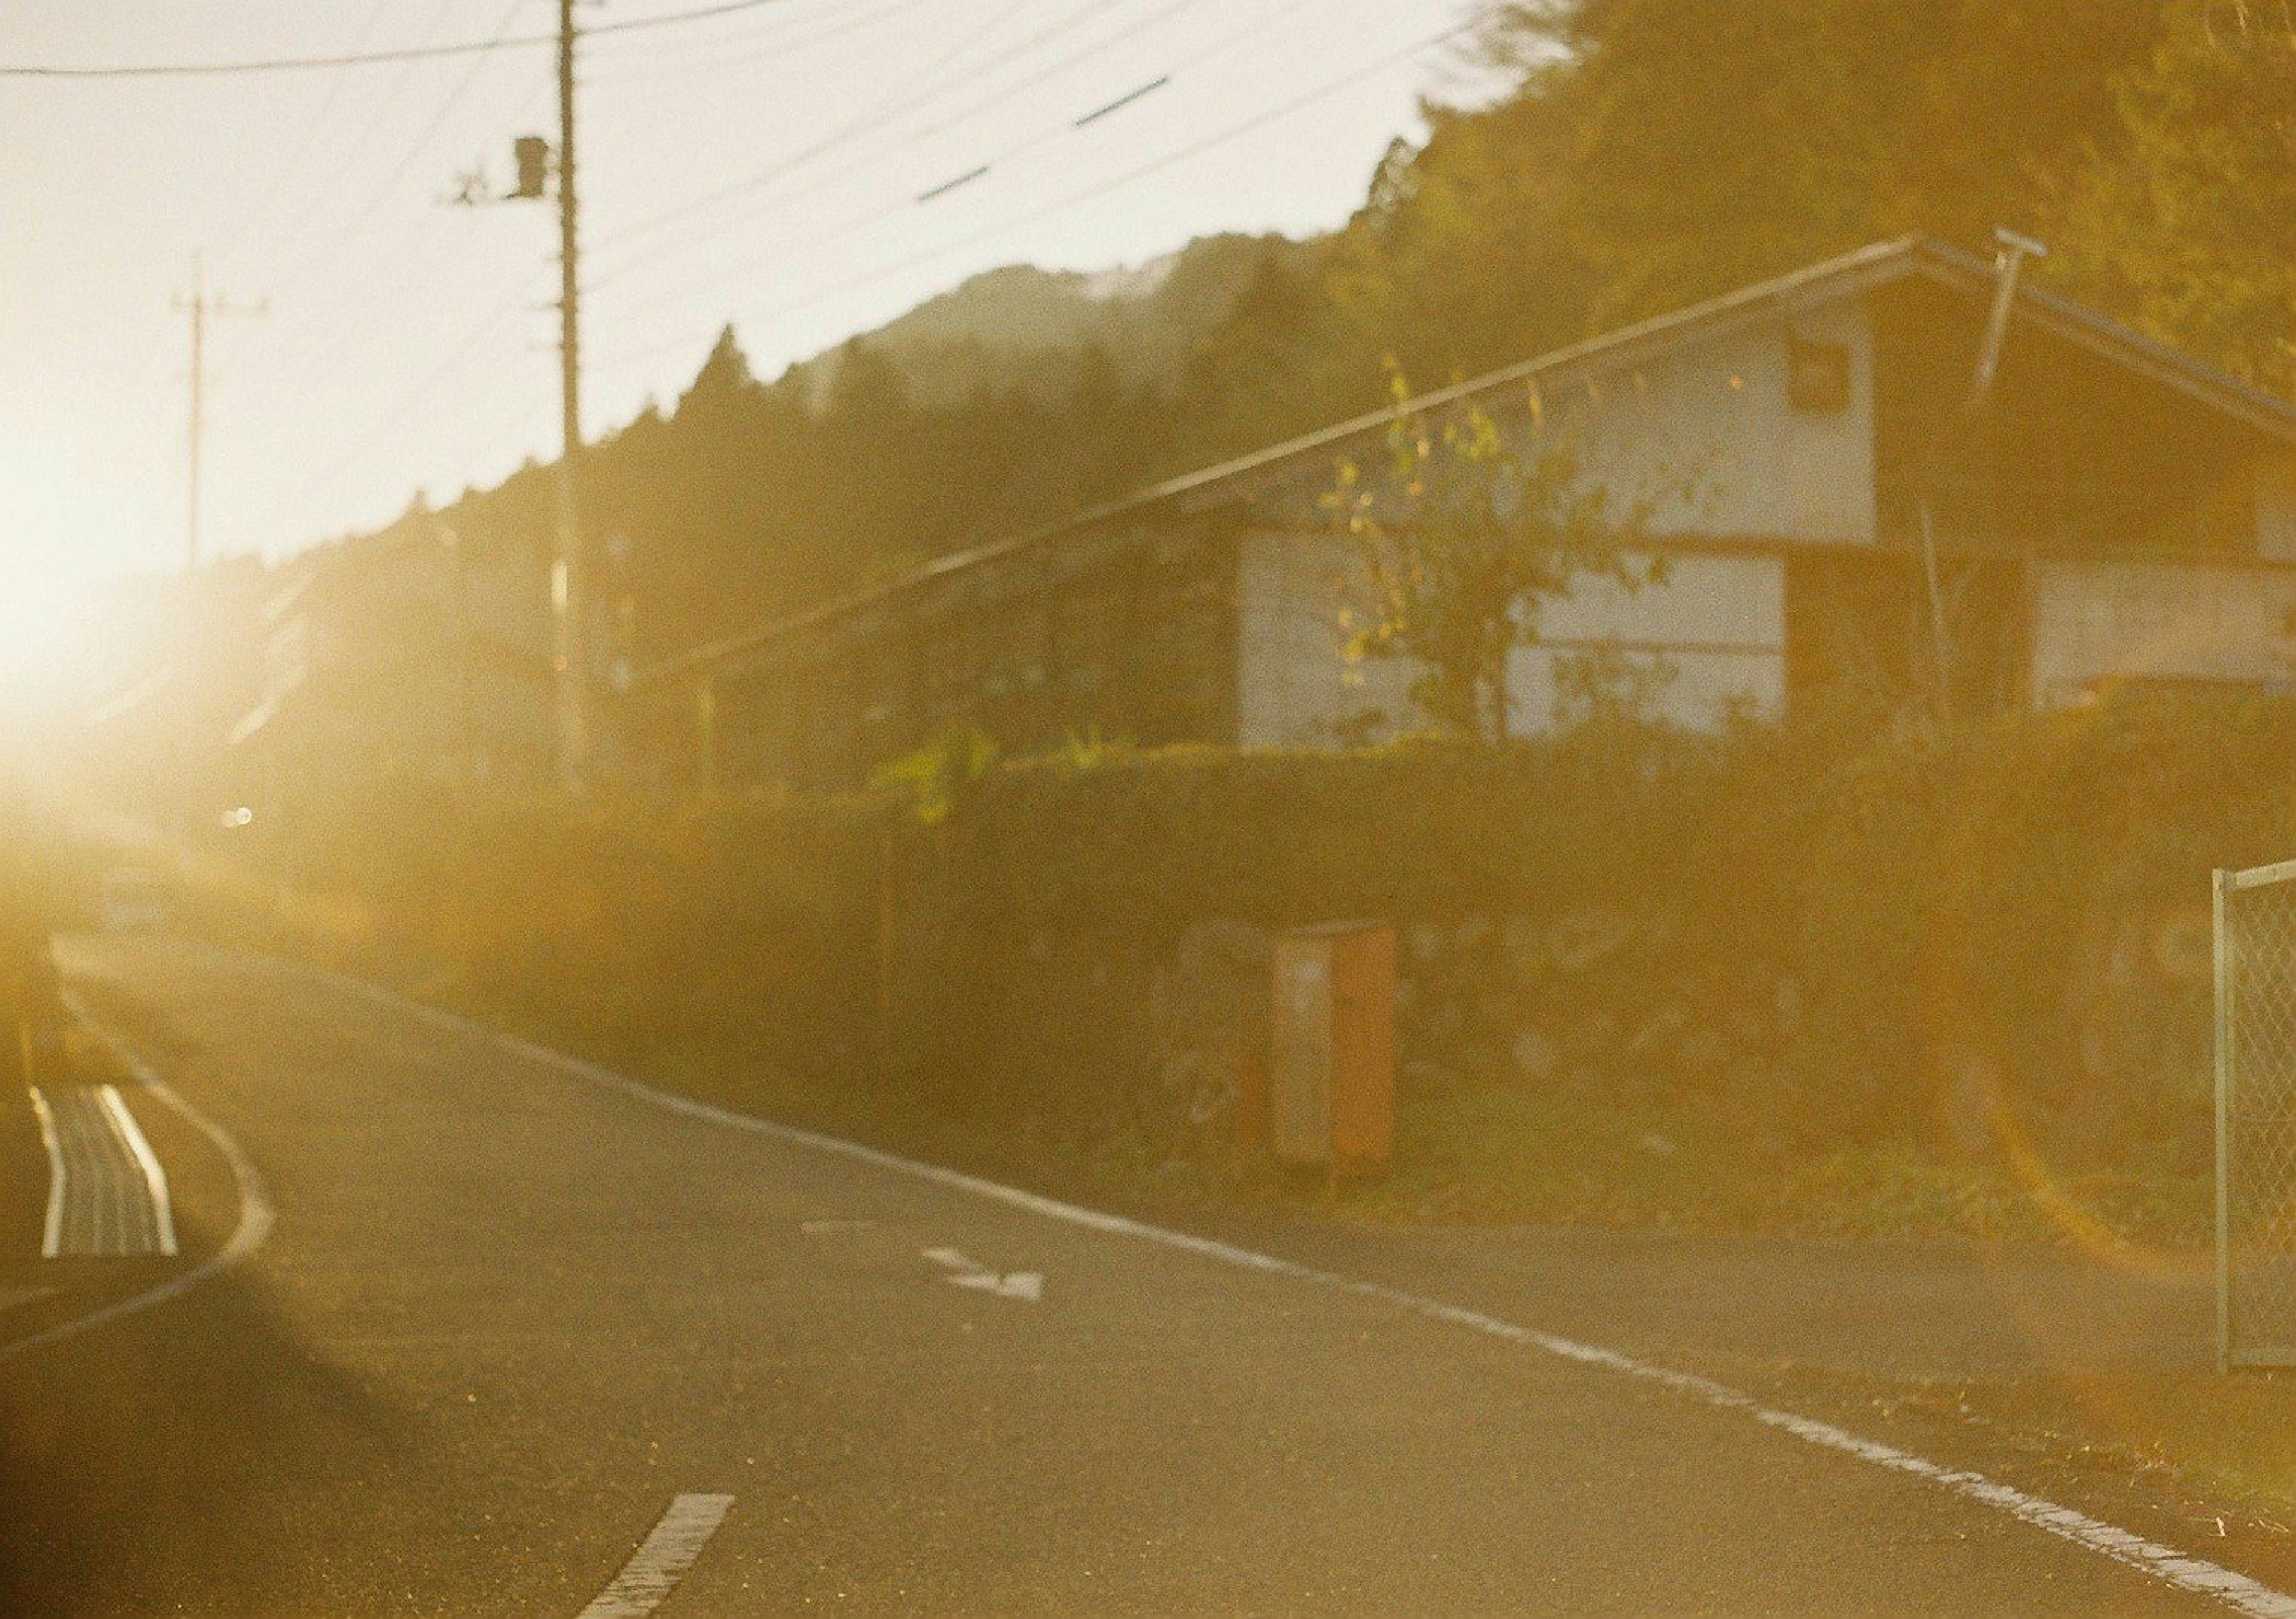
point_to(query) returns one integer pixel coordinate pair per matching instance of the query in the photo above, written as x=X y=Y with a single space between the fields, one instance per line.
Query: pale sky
x=407 y=345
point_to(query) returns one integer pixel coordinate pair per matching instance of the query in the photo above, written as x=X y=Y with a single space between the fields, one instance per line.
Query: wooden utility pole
x=199 y=305
x=569 y=654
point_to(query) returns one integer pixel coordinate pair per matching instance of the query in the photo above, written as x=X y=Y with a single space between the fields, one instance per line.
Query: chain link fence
x=2256 y=1116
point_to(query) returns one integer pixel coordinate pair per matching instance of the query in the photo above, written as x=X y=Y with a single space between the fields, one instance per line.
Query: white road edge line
x=51 y=1235
x=655 y=1568
x=255 y=1214
x=2193 y=1575
x=155 y=1179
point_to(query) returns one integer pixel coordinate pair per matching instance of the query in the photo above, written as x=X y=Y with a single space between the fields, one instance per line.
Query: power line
x=735 y=49
x=1105 y=109
x=853 y=226
x=319 y=120
x=902 y=101
x=1108 y=108
x=365 y=59
x=919 y=90
x=403 y=405
x=291 y=234
x=410 y=261
x=1051 y=70
x=343 y=238
x=415 y=396
x=1091 y=194
x=773 y=203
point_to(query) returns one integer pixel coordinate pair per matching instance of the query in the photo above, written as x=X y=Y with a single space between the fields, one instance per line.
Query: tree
x=1692 y=146
x=2188 y=220
x=1463 y=539
x=724 y=377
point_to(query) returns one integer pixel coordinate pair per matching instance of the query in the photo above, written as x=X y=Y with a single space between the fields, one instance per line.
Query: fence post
x=2223 y=1059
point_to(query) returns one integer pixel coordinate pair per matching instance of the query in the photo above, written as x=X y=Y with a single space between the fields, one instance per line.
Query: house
x=177 y=664
x=407 y=654
x=1829 y=513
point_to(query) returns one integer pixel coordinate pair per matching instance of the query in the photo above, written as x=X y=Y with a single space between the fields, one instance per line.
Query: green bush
x=1948 y=942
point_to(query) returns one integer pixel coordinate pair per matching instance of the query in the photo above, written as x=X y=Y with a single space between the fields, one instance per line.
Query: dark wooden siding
x=2075 y=453
x=1123 y=634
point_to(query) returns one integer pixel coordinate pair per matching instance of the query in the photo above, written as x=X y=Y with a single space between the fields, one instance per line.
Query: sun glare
x=47 y=599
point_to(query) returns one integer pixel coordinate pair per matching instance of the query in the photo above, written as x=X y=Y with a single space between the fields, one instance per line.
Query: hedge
x=1920 y=931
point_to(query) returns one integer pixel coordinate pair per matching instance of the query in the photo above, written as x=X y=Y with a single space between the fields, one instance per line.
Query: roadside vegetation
x=1858 y=975
x=1787 y=978
x=1603 y=162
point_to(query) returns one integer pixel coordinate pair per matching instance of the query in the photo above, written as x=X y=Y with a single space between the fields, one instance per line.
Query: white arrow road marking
x=1021 y=1284
x=655 y=1568
x=1028 y=1285
x=2197 y=1575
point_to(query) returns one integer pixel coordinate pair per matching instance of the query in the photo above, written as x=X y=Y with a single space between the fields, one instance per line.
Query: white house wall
x=2276 y=507
x=1296 y=685
x=1706 y=439
x=2096 y=622
x=1707 y=639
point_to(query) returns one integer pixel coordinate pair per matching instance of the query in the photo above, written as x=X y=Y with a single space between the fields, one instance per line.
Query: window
x=1817 y=375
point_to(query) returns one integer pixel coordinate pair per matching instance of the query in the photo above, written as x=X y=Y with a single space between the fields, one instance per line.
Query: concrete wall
x=1711 y=636
x=2096 y=622
x=1707 y=437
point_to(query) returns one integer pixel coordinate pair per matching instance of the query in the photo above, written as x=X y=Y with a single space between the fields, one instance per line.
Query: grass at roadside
x=1477 y=1156
x=2223 y=1438
x=2216 y=1438
x=2215 y=1457
x=1497 y=1156
x=2205 y=1451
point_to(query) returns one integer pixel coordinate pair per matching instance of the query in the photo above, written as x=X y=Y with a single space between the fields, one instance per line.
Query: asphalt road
x=508 y=1316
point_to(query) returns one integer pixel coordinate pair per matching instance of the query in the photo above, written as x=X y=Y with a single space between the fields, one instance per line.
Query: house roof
x=1879 y=264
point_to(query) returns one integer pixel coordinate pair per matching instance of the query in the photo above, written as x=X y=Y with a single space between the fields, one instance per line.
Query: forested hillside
x=1651 y=152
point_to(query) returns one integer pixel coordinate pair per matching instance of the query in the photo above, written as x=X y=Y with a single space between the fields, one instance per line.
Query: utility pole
x=535 y=165
x=2012 y=252
x=199 y=305
x=566 y=580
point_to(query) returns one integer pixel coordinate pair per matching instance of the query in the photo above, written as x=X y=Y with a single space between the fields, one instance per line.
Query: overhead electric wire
x=292 y=229
x=343 y=238
x=1091 y=194
x=893 y=107
x=318 y=121
x=947 y=186
x=883 y=211
x=291 y=235
x=1160 y=82
x=774 y=203
x=1051 y=70
x=304 y=373
x=366 y=59
x=732 y=51
x=413 y=262
x=404 y=402
x=412 y=397
x=1105 y=109
x=940 y=70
